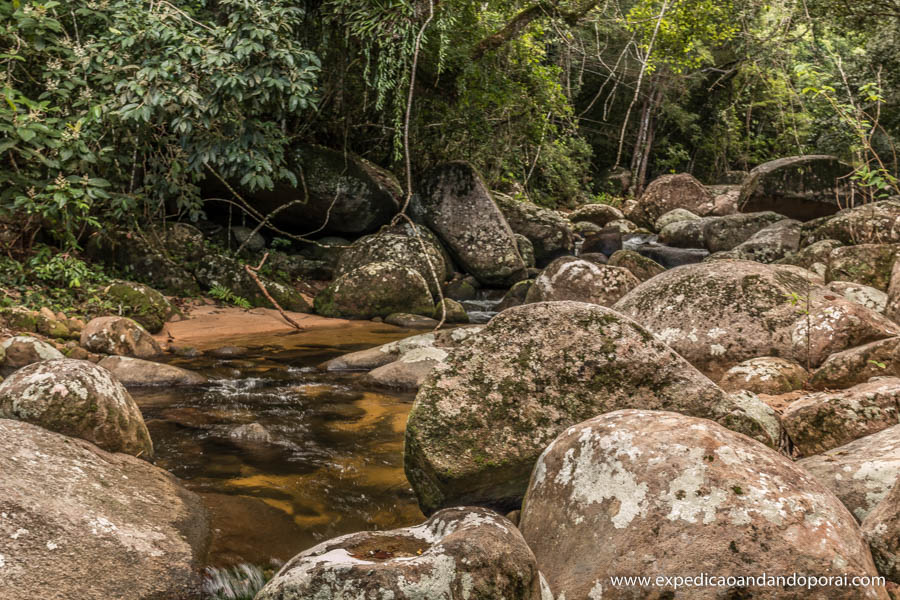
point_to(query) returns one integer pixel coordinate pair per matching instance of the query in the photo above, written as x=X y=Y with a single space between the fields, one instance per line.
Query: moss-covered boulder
x=376 y=290
x=79 y=399
x=22 y=350
x=669 y=192
x=453 y=311
x=526 y=250
x=141 y=303
x=219 y=271
x=482 y=418
x=422 y=256
x=455 y=203
x=516 y=294
x=120 y=336
x=674 y=216
x=728 y=232
x=598 y=214
x=19 y=319
x=550 y=234
x=868 y=264
x=813 y=257
x=640 y=266
x=872 y=223
x=569 y=278
x=720 y=313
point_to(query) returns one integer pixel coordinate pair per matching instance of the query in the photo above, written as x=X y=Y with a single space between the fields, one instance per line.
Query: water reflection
x=285 y=456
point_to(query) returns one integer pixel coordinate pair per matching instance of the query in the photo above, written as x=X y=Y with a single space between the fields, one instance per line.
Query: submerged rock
x=862 y=472
x=136 y=372
x=78 y=522
x=633 y=490
x=569 y=278
x=482 y=418
x=375 y=290
x=458 y=554
x=120 y=336
x=79 y=399
x=24 y=350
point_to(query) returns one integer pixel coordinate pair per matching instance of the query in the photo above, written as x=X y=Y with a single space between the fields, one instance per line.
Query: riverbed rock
x=79 y=399
x=24 y=350
x=892 y=307
x=410 y=321
x=455 y=204
x=728 y=232
x=872 y=223
x=813 y=257
x=674 y=216
x=516 y=295
x=400 y=249
x=482 y=418
x=141 y=303
x=452 y=311
x=409 y=370
x=224 y=272
x=375 y=290
x=881 y=529
x=720 y=313
x=765 y=375
x=551 y=235
x=607 y=241
x=119 y=336
x=866 y=264
x=598 y=214
x=79 y=522
x=631 y=490
x=826 y=420
x=860 y=473
x=801 y=187
x=684 y=234
x=768 y=244
x=725 y=199
x=457 y=554
x=871 y=298
x=859 y=364
x=137 y=373
x=669 y=192
x=638 y=265
x=569 y=278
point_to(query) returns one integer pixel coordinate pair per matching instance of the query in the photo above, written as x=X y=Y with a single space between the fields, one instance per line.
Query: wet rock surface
x=136 y=372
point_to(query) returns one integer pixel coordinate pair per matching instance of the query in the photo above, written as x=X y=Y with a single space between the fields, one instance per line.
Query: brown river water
x=333 y=462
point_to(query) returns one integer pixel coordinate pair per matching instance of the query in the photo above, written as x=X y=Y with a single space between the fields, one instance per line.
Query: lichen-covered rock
x=455 y=204
x=585 y=228
x=684 y=234
x=633 y=491
x=826 y=420
x=802 y=187
x=625 y=226
x=375 y=290
x=881 y=529
x=401 y=249
x=136 y=372
x=79 y=522
x=765 y=375
x=51 y=326
x=859 y=364
x=551 y=235
x=458 y=554
x=24 y=350
x=119 y=336
x=871 y=298
x=411 y=321
x=725 y=199
x=79 y=399
x=768 y=244
x=813 y=257
x=598 y=214
x=669 y=192
x=720 y=313
x=674 y=216
x=607 y=241
x=141 y=303
x=569 y=278
x=872 y=223
x=892 y=308
x=253 y=241
x=19 y=319
x=526 y=250
x=409 y=371
x=218 y=271
x=516 y=294
x=728 y=232
x=451 y=310
x=462 y=288
x=481 y=419
x=640 y=266
x=860 y=473
x=867 y=264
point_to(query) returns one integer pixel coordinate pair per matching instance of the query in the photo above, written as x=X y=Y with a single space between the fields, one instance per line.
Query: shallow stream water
x=283 y=455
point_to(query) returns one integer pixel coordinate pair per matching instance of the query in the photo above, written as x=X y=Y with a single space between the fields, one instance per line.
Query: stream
x=285 y=456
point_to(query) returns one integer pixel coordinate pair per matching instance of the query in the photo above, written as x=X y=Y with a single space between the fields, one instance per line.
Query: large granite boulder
x=872 y=223
x=120 y=336
x=637 y=264
x=765 y=375
x=825 y=420
x=24 y=350
x=79 y=522
x=729 y=232
x=569 y=278
x=867 y=264
x=376 y=290
x=454 y=202
x=720 y=313
x=481 y=419
x=800 y=187
x=669 y=192
x=860 y=473
x=598 y=214
x=637 y=492
x=687 y=233
x=550 y=233
x=859 y=364
x=141 y=303
x=769 y=244
x=881 y=529
x=224 y=272
x=79 y=399
x=457 y=554
x=422 y=256
x=868 y=296
x=137 y=373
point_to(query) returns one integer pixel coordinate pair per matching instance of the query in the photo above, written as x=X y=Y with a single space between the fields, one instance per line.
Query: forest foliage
x=118 y=110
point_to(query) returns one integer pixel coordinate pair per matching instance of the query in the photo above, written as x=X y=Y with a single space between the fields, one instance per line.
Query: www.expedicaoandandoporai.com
x=705 y=580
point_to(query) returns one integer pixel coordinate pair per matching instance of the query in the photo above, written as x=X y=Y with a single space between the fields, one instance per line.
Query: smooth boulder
x=550 y=234
x=669 y=192
x=765 y=375
x=136 y=372
x=375 y=290
x=79 y=522
x=420 y=255
x=141 y=303
x=457 y=554
x=638 y=492
x=482 y=418
x=801 y=187
x=22 y=350
x=120 y=336
x=881 y=529
x=570 y=278
x=79 y=399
